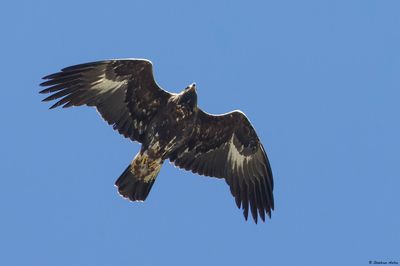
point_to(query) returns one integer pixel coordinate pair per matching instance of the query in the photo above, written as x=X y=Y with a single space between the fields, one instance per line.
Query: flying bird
x=170 y=126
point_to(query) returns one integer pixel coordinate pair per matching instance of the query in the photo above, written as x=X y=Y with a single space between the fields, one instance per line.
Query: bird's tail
x=138 y=178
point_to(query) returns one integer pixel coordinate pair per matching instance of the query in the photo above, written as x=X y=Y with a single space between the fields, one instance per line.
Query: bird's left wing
x=227 y=146
x=123 y=91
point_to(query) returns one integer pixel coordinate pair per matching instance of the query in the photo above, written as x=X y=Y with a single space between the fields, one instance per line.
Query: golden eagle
x=169 y=126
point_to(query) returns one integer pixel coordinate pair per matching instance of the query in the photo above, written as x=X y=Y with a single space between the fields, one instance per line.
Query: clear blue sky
x=320 y=81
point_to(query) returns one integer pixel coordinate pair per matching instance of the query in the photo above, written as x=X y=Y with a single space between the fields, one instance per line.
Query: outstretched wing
x=227 y=146
x=123 y=91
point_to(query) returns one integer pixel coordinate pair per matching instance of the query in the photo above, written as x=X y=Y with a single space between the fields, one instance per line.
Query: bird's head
x=188 y=97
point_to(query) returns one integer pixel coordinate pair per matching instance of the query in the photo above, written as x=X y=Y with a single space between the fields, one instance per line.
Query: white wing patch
x=234 y=157
x=104 y=85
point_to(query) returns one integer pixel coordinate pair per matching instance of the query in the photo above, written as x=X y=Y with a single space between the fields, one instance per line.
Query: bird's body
x=173 y=124
x=170 y=127
x=168 y=130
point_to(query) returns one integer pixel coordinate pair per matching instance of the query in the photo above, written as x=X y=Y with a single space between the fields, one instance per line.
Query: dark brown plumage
x=169 y=126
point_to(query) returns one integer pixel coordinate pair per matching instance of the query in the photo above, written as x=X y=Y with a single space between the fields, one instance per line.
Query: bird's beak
x=192 y=86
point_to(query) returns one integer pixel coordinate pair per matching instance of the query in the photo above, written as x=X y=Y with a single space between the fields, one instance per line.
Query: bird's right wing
x=123 y=91
x=227 y=146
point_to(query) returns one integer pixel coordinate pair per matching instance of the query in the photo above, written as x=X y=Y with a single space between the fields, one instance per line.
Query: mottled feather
x=169 y=126
x=123 y=91
x=228 y=147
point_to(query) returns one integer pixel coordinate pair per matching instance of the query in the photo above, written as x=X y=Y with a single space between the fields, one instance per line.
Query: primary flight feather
x=170 y=127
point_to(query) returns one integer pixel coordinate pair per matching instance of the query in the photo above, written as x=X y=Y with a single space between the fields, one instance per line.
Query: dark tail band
x=132 y=187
